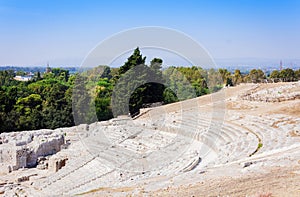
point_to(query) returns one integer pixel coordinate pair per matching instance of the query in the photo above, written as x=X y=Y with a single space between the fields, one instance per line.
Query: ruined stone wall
x=22 y=149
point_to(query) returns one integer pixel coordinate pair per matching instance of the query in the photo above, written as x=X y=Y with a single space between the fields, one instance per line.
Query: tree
x=103 y=99
x=275 y=74
x=106 y=73
x=195 y=76
x=229 y=82
x=6 y=78
x=57 y=110
x=7 y=101
x=135 y=59
x=225 y=74
x=237 y=77
x=287 y=75
x=169 y=96
x=138 y=84
x=182 y=82
x=42 y=103
x=38 y=76
x=297 y=74
x=82 y=101
x=61 y=74
x=256 y=76
x=20 y=73
x=29 y=109
x=214 y=80
x=156 y=63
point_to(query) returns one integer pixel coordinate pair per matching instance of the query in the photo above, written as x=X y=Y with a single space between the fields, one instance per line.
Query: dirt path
x=277 y=182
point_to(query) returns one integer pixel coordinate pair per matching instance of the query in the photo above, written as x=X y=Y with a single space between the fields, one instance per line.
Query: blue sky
x=64 y=31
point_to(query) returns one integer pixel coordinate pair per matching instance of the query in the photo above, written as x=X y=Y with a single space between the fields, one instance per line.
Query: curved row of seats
x=273 y=137
x=230 y=141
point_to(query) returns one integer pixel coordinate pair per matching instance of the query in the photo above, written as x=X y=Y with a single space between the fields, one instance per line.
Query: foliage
x=29 y=110
x=275 y=74
x=287 y=75
x=103 y=99
x=237 y=77
x=138 y=86
x=256 y=76
x=58 y=99
x=135 y=59
x=40 y=103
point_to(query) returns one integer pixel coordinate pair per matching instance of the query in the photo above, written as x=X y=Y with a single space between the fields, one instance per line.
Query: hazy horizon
x=220 y=62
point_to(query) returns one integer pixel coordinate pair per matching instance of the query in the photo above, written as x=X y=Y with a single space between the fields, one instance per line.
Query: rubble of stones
x=29 y=149
x=277 y=94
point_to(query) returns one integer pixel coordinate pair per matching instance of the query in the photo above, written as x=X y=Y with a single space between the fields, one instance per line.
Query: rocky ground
x=241 y=141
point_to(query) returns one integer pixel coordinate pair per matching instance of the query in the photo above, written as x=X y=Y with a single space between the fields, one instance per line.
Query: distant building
x=48 y=69
x=280 y=65
x=23 y=78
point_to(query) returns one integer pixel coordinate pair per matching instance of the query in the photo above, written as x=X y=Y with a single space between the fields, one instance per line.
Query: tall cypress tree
x=135 y=59
x=138 y=86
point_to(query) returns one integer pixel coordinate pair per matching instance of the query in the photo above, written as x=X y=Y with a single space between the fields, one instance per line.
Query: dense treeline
x=58 y=99
x=258 y=76
x=42 y=103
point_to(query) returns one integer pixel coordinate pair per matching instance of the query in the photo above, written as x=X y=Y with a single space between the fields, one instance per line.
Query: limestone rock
x=22 y=149
x=56 y=163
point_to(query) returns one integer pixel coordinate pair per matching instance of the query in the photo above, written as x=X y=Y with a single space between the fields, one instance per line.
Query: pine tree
x=135 y=59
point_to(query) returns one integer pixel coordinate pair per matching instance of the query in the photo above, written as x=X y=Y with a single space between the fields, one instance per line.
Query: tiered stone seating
x=54 y=182
x=273 y=137
x=207 y=143
x=224 y=141
x=239 y=144
x=231 y=142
